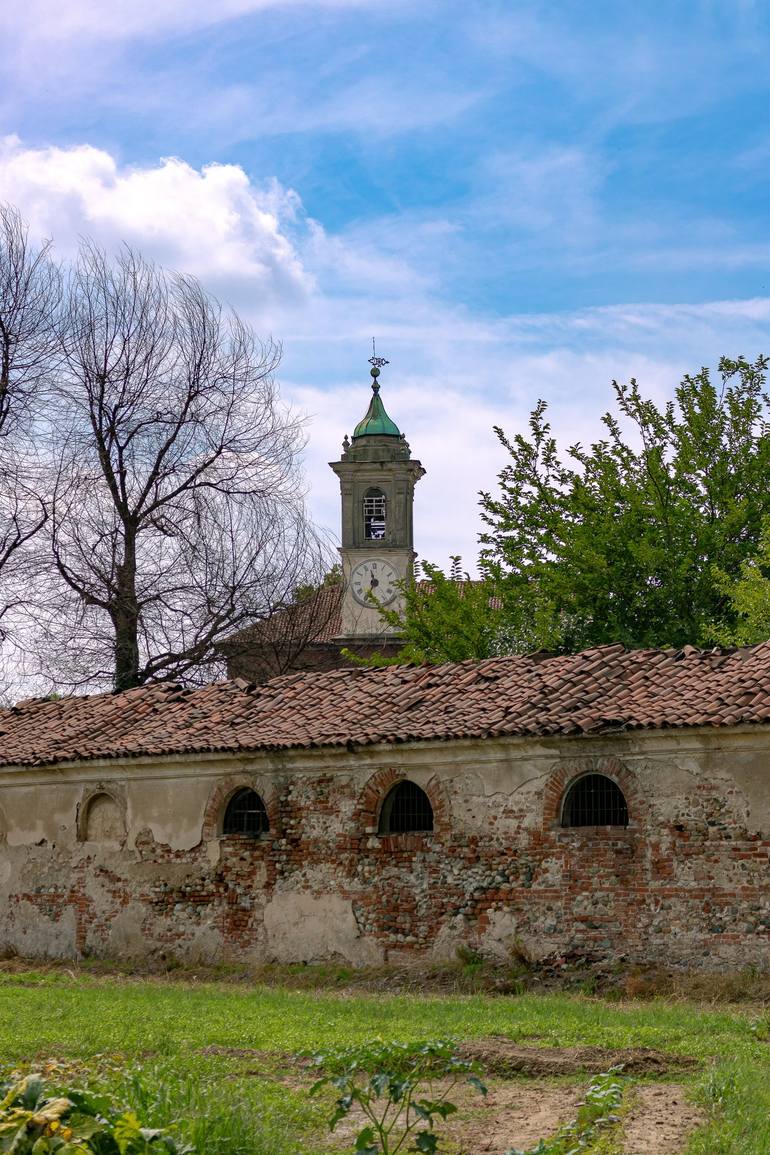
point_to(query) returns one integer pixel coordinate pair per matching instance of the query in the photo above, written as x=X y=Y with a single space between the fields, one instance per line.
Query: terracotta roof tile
x=599 y=690
x=316 y=618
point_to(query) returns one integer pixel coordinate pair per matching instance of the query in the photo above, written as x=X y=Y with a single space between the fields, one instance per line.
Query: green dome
x=376 y=423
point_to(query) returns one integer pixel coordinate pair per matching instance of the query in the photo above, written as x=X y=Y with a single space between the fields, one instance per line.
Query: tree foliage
x=651 y=536
x=445 y=618
x=749 y=597
x=619 y=542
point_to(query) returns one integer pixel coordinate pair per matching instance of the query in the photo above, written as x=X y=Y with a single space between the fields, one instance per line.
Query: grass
x=150 y=1037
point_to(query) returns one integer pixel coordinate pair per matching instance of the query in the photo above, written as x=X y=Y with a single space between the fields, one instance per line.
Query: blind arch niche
x=102 y=820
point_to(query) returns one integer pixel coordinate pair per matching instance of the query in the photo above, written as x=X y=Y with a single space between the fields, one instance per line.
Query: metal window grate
x=406 y=808
x=245 y=814
x=374 y=515
x=595 y=800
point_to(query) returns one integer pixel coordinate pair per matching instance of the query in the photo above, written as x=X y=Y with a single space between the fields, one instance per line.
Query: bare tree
x=177 y=513
x=30 y=290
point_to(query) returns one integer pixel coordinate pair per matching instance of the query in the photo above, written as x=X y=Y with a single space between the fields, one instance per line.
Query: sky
x=518 y=200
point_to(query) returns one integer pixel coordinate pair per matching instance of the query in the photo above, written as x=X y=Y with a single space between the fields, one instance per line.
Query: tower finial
x=376 y=364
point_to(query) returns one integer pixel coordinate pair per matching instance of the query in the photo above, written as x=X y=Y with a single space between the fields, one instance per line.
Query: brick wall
x=684 y=883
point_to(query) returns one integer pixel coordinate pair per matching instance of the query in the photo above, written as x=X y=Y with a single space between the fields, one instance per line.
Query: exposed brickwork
x=568 y=772
x=684 y=883
x=223 y=792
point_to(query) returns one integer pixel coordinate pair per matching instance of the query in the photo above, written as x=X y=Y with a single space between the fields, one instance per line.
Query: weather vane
x=375 y=361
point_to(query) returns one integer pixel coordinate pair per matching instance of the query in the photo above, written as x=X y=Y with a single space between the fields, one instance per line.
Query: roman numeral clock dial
x=376 y=579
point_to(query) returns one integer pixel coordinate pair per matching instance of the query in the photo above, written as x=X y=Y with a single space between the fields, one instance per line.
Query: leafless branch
x=29 y=352
x=177 y=511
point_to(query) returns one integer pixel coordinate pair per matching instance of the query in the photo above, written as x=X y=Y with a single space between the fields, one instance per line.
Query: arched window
x=245 y=814
x=406 y=808
x=374 y=515
x=594 y=800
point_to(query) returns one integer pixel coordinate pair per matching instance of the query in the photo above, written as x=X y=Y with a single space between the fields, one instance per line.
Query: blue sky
x=519 y=200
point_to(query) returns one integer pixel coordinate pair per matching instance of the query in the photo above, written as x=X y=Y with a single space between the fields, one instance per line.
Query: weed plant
x=736 y=1097
x=210 y=1114
x=400 y=1089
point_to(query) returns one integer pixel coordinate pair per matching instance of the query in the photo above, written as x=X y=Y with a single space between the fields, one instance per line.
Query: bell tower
x=377 y=479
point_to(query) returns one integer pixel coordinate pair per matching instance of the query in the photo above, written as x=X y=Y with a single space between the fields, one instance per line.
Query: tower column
x=377 y=478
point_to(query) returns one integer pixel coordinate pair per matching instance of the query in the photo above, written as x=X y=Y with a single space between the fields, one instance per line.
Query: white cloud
x=212 y=222
x=541 y=190
x=174 y=69
x=454 y=372
x=93 y=20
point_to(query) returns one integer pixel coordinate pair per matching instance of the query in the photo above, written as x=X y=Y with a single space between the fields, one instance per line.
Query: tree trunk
x=125 y=617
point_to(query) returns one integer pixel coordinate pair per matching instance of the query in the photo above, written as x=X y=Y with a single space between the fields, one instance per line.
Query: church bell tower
x=377 y=479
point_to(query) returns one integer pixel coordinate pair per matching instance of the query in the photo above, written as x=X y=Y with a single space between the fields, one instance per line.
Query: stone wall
x=128 y=860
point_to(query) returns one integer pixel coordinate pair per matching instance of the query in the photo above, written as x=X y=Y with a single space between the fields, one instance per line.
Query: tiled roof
x=316 y=618
x=598 y=690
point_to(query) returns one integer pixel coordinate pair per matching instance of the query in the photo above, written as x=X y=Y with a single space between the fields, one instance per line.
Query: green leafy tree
x=452 y=617
x=619 y=542
x=446 y=617
x=749 y=597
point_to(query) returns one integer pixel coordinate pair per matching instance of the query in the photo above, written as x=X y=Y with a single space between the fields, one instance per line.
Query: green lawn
x=149 y=1035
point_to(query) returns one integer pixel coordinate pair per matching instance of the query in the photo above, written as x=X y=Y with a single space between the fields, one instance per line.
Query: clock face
x=373 y=579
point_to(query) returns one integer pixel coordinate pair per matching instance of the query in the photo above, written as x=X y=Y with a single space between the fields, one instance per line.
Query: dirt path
x=510 y=1115
x=659 y=1121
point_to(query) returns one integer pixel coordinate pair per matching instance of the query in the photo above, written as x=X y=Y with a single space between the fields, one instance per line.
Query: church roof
x=598 y=691
x=315 y=618
x=376 y=421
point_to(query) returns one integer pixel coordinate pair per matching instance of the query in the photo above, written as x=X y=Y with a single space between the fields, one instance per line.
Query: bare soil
x=510 y=1115
x=519 y=1114
x=659 y=1121
x=524 y=1102
x=500 y=1056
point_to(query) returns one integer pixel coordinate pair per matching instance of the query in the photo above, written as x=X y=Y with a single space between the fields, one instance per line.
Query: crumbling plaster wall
x=686 y=882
